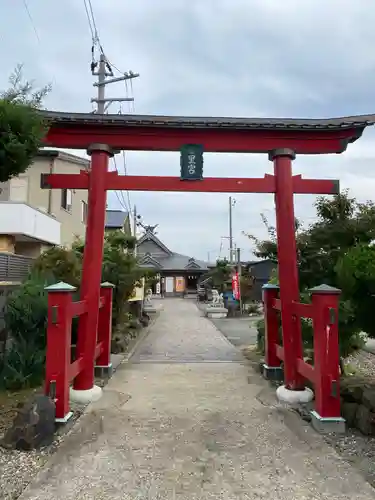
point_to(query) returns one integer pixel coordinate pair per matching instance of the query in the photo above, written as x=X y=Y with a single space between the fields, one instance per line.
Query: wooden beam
x=79 y=135
x=114 y=182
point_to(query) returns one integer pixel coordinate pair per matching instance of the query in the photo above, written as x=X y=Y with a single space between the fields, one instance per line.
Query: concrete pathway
x=181 y=335
x=169 y=428
x=239 y=331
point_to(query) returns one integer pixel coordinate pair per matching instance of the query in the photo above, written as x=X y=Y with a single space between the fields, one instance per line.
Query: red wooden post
x=288 y=270
x=103 y=363
x=92 y=264
x=59 y=329
x=325 y=300
x=272 y=367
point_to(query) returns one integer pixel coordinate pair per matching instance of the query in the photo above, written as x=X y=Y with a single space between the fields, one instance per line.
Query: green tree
x=247 y=284
x=22 y=127
x=356 y=276
x=60 y=264
x=220 y=275
x=324 y=253
x=120 y=267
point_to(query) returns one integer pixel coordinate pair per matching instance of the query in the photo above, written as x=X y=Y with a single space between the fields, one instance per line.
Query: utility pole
x=231 y=204
x=104 y=71
x=239 y=272
x=135 y=229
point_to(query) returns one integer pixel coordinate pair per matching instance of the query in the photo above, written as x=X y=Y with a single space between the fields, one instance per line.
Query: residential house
x=262 y=271
x=118 y=220
x=33 y=219
x=178 y=274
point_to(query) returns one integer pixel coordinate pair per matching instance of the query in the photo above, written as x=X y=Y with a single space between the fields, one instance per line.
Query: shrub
x=26 y=311
x=23 y=365
x=253 y=308
x=120 y=268
x=23 y=360
x=60 y=264
x=261 y=328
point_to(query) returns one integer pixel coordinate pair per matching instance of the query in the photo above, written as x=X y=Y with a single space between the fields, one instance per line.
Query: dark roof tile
x=358 y=121
x=115 y=219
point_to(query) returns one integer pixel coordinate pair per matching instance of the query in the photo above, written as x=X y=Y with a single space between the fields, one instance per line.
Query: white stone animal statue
x=148 y=296
x=217 y=299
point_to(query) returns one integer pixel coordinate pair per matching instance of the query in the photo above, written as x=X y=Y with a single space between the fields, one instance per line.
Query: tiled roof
x=115 y=219
x=175 y=262
x=358 y=121
x=150 y=236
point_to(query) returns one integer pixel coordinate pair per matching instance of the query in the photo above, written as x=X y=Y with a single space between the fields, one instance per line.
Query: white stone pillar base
x=285 y=395
x=87 y=396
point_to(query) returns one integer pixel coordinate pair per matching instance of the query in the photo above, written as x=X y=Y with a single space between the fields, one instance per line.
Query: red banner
x=235 y=286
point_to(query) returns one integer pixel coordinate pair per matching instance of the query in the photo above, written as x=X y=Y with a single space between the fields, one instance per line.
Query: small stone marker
x=34 y=425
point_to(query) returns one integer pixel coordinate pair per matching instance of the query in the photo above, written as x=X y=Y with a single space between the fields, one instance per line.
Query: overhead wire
x=36 y=32
x=89 y=20
x=31 y=20
x=128 y=203
x=95 y=29
x=124 y=159
x=96 y=42
x=120 y=199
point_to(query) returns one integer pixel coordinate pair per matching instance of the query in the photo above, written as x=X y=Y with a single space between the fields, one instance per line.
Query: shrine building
x=178 y=274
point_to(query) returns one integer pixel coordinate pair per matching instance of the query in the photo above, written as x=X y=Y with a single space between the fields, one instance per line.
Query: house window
x=84 y=212
x=66 y=199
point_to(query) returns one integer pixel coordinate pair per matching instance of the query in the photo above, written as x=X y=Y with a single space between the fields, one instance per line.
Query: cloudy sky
x=269 y=58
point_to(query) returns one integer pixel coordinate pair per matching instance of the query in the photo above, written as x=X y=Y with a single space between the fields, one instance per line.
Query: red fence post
x=103 y=363
x=272 y=366
x=326 y=417
x=59 y=329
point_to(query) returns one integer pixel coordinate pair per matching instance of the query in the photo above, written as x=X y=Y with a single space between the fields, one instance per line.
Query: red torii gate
x=281 y=139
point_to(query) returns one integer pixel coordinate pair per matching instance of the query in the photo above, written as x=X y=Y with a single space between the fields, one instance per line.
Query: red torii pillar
x=83 y=386
x=287 y=265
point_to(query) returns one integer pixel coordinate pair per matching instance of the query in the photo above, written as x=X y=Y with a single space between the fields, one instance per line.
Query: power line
x=89 y=21
x=93 y=21
x=96 y=41
x=105 y=70
x=31 y=20
x=124 y=157
x=120 y=197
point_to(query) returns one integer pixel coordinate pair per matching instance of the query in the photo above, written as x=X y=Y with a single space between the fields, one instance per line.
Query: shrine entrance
x=103 y=136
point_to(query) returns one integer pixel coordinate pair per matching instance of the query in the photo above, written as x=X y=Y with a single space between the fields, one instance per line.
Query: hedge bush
x=23 y=360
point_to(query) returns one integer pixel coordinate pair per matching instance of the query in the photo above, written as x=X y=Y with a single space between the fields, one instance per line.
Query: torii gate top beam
x=231 y=135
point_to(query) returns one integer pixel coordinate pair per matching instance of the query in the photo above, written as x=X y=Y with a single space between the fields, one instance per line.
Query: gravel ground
x=354 y=447
x=363 y=363
x=17 y=468
x=357 y=449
